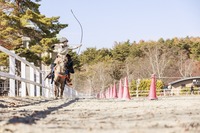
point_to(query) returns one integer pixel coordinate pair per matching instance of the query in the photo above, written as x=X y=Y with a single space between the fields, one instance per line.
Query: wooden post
x=52 y=88
x=23 y=75
x=46 y=90
x=43 y=84
x=32 y=87
x=38 y=81
x=12 y=72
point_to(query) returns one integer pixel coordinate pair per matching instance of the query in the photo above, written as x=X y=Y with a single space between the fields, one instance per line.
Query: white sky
x=108 y=21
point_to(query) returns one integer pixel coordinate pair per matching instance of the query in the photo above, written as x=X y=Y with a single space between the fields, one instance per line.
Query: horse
x=60 y=75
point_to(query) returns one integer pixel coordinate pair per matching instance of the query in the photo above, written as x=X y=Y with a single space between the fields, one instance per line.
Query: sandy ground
x=139 y=115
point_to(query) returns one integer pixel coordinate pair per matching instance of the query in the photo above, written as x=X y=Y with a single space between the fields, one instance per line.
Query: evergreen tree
x=121 y=51
x=195 y=50
x=88 y=56
x=22 y=19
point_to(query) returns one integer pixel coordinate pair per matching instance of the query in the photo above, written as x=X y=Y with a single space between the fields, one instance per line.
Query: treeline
x=169 y=59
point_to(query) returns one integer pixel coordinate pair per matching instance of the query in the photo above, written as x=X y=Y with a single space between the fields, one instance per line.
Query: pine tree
x=21 y=19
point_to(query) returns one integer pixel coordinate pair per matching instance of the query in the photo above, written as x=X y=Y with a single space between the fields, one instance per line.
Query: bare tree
x=103 y=78
x=137 y=68
x=185 y=65
x=159 y=58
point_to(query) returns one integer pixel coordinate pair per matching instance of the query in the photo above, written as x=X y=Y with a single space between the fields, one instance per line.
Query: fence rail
x=165 y=92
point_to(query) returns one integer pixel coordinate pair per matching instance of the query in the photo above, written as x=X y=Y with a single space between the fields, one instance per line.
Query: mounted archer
x=59 y=68
x=62 y=66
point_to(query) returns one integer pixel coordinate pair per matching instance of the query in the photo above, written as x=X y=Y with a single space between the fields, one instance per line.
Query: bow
x=81 y=29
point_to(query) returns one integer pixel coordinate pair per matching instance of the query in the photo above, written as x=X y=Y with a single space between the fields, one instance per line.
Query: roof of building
x=184 y=79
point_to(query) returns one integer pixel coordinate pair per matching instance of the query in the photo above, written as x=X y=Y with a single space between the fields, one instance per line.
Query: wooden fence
x=29 y=81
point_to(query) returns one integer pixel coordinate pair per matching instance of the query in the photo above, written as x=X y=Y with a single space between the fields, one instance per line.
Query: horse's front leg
x=56 y=89
x=62 y=88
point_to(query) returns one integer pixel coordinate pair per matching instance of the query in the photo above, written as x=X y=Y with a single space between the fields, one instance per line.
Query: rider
x=69 y=67
x=62 y=49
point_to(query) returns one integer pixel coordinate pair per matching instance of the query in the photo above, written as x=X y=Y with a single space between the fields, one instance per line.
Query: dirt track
x=38 y=115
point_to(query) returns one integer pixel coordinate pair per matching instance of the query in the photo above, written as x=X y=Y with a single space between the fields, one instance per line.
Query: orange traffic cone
x=152 y=92
x=120 y=92
x=126 y=94
x=114 y=91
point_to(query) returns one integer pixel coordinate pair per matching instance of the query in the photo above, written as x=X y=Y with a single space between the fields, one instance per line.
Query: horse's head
x=60 y=62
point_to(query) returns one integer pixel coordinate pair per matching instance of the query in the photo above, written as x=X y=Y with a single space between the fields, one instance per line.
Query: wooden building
x=181 y=84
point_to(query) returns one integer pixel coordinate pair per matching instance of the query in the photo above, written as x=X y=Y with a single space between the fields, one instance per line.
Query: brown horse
x=60 y=76
x=60 y=69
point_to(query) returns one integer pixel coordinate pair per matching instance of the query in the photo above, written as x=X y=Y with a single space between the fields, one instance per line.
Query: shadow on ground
x=37 y=115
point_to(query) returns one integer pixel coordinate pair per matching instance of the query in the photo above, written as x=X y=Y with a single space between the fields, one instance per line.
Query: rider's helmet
x=63 y=39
